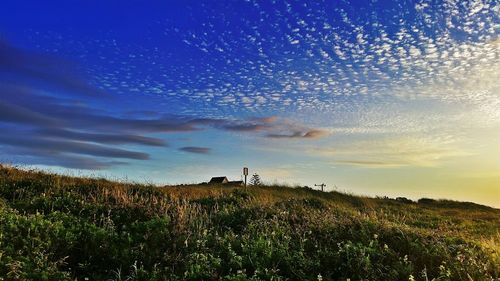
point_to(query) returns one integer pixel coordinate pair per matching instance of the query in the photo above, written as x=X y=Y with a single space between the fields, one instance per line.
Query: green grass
x=55 y=227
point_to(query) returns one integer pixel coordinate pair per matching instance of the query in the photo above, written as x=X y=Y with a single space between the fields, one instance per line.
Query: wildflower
x=320 y=278
x=411 y=278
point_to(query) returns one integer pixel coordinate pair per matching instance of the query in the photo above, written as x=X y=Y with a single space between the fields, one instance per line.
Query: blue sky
x=397 y=98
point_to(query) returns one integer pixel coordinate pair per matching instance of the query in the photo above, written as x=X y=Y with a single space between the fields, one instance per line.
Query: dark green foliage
x=426 y=201
x=59 y=228
x=404 y=200
x=255 y=180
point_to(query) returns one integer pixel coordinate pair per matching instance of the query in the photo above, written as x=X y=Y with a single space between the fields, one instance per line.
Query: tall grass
x=55 y=227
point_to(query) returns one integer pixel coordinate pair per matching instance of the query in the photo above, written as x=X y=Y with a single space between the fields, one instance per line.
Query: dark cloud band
x=195 y=149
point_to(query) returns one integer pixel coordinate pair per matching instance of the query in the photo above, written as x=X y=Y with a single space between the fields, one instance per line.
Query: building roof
x=235 y=182
x=218 y=180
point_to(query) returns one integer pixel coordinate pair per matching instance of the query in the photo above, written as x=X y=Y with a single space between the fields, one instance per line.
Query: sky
x=379 y=98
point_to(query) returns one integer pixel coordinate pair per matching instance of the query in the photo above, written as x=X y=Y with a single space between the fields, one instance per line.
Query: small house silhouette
x=224 y=180
x=235 y=182
x=215 y=180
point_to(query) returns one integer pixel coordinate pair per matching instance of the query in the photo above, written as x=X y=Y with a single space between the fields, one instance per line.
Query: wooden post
x=245 y=173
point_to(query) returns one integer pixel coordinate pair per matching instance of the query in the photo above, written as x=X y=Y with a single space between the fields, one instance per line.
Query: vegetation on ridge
x=56 y=227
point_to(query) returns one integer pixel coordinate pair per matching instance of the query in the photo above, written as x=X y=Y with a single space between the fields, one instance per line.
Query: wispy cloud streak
x=195 y=149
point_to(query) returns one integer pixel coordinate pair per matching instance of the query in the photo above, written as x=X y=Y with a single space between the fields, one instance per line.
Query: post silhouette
x=245 y=173
x=321 y=185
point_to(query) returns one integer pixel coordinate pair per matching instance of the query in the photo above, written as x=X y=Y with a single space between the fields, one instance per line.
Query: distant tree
x=426 y=201
x=255 y=180
x=404 y=200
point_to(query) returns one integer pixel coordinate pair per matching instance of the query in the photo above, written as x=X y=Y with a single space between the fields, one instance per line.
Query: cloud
x=286 y=136
x=315 y=133
x=101 y=138
x=43 y=109
x=266 y=120
x=52 y=71
x=35 y=109
x=42 y=144
x=370 y=164
x=444 y=51
x=307 y=134
x=195 y=149
x=393 y=151
x=40 y=157
x=245 y=127
x=18 y=114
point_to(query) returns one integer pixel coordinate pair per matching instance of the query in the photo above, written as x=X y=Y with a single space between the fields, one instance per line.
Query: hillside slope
x=63 y=228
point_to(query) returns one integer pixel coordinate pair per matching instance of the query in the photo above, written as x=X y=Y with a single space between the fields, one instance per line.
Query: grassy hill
x=55 y=227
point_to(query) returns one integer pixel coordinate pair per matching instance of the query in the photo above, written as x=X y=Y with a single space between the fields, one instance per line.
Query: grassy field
x=55 y=227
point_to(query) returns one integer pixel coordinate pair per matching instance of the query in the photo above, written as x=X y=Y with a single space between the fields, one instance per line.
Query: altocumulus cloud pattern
x=389 y=73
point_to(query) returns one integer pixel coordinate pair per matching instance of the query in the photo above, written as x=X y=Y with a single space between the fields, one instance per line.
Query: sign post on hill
x=245 y=173
x=321 y=185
